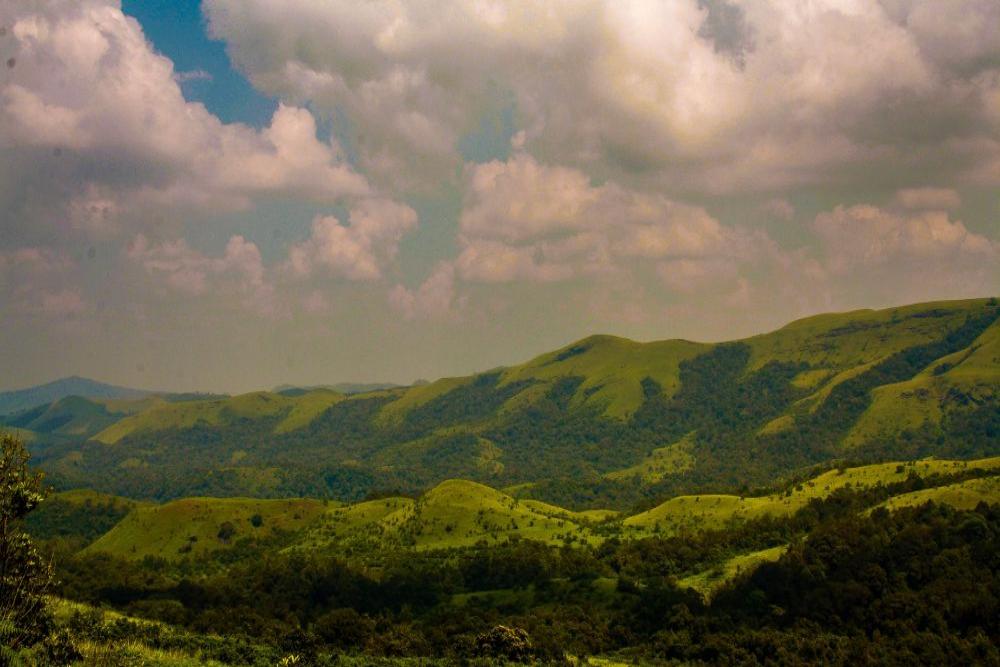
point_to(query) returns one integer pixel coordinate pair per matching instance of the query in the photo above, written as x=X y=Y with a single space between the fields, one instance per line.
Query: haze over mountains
x=30 y=397
x=603 y=422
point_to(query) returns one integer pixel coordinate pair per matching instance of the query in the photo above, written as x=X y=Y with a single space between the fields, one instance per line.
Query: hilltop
x=604 y=422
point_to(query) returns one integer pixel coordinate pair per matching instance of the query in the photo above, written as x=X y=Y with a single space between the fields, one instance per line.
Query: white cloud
x=868 y=235
x=766 y=95
x=101 y=129
x=938 y=199
x=526 y=221
x=182 y=268
x=434 y=298
x=359 y=250
x=37 y=281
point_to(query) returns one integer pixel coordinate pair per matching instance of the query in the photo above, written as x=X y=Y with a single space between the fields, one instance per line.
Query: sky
x=228 y=195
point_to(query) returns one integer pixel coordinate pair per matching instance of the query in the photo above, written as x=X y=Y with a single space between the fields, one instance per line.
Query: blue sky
x=177 y=29
x=347 y=191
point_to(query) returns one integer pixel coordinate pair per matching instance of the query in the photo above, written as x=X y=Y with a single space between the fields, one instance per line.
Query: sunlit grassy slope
x=459 y=513
x=192 y=525
x=836 y=346
x=963 y=495
x=715 y=511
x=455 y=513
x=295 y=412
x=972 y=374
x=710 y=580
x=670 y=460
x=72 y=416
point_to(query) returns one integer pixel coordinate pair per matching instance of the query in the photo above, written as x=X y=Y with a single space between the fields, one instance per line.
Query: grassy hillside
x=455 y=513
x=963 y=495
x=199 y=525
x=711 y=580
x=716 y=511
x=295 y=412
x=81 y=515
x=601 y=423
x=969 y=376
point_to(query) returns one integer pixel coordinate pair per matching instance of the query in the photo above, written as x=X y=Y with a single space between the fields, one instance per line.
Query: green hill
x=717 y=511
x=604 y=422
x=199 y=525
x=455 y=513
x=295 y=412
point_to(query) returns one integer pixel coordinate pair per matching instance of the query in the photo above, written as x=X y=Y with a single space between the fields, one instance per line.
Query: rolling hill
x=200 y=525
x=459 y=514
x=601 y=423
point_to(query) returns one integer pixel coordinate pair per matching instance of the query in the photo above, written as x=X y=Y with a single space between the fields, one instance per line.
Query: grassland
x=613 y=369
x=194 y=525
x=962 y=495
x=670 y=460
x=709 y=581
x=295 y=412
x=455 y=513
x=715 y=511
x=972 y=374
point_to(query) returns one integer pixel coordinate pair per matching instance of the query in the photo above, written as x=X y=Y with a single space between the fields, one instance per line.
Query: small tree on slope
x=24 y=575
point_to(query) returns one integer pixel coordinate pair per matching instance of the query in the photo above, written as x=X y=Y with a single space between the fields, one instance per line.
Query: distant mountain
x=32 y=397
x=602 y=422
x=340 y=388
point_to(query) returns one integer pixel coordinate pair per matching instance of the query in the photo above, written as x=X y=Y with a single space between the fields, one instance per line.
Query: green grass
x=417 y=395
x=973 y=373
x=613 y=369
x=963 y=495
x=836 y=346
x=712 y=579
x=167 y=530
x=296 y=412
x=455 y=513
x=716 y=511
x=845 y=340
x=670 y=460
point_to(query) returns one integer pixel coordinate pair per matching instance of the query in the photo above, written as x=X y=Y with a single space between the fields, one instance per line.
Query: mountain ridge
x=600 y=421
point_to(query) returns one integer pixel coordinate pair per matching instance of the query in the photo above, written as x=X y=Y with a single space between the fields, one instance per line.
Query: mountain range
x=602 y=422
x=31 y=397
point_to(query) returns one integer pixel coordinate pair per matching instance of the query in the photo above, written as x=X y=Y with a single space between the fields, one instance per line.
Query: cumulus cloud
x=868 y=235
x=713 y=95
x=941 y=199
x=434 y=298
x=35 y=281
x=523 y=220
x=358 y=250
x=191 y=272
x=96 y=125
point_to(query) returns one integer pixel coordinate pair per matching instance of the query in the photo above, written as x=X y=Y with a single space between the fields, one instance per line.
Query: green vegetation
x=25 y=576
x=199 y=525
x=604 y=423
x=716 y=511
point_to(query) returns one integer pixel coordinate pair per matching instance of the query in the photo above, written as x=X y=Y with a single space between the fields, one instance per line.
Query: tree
x=24 y=575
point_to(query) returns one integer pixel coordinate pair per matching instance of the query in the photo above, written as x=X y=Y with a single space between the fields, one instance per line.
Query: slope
x=455 y=513
x=199 y=525
x=694 y=513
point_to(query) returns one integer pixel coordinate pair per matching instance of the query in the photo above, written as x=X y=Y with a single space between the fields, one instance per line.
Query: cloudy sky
x=231 y=194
